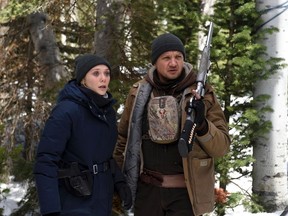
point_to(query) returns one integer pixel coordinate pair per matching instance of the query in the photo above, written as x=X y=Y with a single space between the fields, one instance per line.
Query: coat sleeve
x=123 y=127
x=216 y=141
x=52 y=143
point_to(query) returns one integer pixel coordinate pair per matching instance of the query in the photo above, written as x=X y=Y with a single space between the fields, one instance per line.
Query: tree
x=237 y=64
x=270 y=149
x=46 y=49
x=76 y=27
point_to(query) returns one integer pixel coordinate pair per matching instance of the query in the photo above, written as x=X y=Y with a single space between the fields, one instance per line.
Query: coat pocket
x=203 y=180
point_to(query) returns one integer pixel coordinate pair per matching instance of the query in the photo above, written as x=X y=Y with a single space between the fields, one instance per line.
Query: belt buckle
x=95 y=169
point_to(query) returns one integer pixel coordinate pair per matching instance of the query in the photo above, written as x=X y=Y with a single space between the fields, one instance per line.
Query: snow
x=246 y=185
x=8 y=200
x=16 y=191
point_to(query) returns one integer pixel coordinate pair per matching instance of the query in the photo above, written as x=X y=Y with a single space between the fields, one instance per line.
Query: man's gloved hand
x=199 y=108
x=200 y=120
x=125 y=194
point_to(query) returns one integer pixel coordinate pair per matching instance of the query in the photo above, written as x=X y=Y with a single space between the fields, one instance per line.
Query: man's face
x=169 y=65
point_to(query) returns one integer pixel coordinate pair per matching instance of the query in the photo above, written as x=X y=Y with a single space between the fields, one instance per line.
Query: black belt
x=74 y=170
x=100 y=167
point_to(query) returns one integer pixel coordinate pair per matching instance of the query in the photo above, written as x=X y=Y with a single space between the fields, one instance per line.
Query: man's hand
x=196 y=95
x=200 y=119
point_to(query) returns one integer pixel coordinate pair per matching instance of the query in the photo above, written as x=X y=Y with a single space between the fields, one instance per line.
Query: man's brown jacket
x=198 y=166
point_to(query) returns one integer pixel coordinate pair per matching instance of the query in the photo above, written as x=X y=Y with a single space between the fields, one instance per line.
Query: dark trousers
x=156 y=201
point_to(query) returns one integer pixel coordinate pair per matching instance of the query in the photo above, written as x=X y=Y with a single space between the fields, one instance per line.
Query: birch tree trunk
x=270 y=168
x=47 y=52
x=207 y=9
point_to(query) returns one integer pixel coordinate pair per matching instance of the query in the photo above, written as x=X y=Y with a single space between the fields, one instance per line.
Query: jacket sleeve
x=52 y=143
x=123 y=127
x=216 y=141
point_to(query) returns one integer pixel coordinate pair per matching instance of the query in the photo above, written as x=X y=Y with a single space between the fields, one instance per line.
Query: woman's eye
x=96 y=73
x=107 y=74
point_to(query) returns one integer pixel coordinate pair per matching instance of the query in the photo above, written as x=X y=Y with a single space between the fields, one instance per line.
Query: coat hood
x=71 y=91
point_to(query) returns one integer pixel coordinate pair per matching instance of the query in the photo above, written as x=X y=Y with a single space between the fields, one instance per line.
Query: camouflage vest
x=163 y=119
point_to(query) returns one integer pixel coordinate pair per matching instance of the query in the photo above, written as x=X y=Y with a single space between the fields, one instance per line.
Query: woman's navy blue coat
x=77 y=130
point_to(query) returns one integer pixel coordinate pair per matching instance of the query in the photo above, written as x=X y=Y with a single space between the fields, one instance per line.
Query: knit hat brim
x=166 y=42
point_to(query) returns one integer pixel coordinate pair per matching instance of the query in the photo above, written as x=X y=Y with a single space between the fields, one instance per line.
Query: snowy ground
x=17 y=191
x=9 y=200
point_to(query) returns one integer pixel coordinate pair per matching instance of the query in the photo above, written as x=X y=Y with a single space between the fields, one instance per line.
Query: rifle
x=188 y=133
x=284 y=212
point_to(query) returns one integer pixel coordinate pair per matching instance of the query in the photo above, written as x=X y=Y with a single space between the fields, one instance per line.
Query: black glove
x=125 y=194
x=200 y=120
x=53 y=214
x=199 y=108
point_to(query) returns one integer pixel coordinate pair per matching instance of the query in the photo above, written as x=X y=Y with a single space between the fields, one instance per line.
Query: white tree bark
x=270 y=168
x=207 y=9
x=46 y=48
x=208 y=6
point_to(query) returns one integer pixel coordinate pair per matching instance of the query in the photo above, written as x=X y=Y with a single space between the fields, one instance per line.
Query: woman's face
x=97 y=79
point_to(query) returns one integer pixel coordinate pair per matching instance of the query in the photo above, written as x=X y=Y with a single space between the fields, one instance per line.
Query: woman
x=74 y=171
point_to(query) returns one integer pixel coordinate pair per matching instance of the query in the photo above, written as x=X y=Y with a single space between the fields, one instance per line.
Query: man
x=162 y=182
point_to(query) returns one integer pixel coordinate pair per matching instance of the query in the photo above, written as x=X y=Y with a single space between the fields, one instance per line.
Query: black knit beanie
x=166 y=42
x=85 y=62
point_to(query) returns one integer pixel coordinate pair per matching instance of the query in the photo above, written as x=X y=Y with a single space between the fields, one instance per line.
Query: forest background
x=40 y=39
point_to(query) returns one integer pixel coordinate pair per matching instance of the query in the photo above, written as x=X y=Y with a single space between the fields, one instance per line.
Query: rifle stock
x=185 y=142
